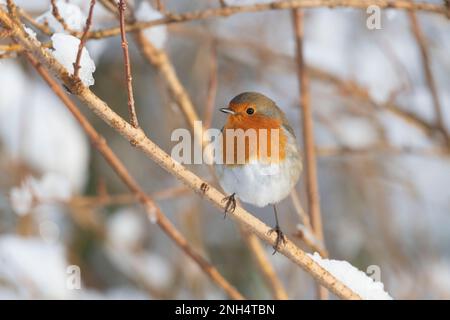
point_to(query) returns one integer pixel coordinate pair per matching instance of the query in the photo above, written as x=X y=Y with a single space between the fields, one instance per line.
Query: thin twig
x=149 y=205
x=76 y=65
x=312 y=186
x=99 y=107
x=131 y=108
x=426 y=62
x=58 y=17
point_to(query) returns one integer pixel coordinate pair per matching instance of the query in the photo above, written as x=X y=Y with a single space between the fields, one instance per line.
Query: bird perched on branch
x=260 y=161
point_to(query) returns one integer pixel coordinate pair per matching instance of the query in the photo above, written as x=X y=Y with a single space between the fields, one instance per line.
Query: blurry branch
x=76 y=65
x=212 y=88
x=276 y=5
x=126 y=56
x=101 y=109
x=312 y=185
x=125 y=198
x=40 y=26
x=152 y=209
x=348 y=87
x=12 y=8
x=8 y=55
x=160 y=5
x=305 y=231
x=226 y=11
x=422 y=43
x=380 y=149
x=159 y=59
x=263 y=263
x=345 y=87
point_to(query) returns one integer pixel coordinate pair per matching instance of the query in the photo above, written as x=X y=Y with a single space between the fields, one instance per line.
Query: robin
x=261 y=178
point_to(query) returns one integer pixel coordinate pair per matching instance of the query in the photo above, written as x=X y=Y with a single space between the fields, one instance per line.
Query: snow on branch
x=355 y=279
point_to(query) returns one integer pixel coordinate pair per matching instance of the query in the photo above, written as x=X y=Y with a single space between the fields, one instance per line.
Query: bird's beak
x=227 y=110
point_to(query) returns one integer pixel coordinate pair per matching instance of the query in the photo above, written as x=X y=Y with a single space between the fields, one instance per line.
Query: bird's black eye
x=250 y=111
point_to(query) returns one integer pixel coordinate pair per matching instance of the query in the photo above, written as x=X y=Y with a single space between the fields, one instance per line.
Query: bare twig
x=149 y=205
x=58 y=17
x=426 y=62
x=312 y=186
x=76 y=65
x=289 y=249
x=126 y=57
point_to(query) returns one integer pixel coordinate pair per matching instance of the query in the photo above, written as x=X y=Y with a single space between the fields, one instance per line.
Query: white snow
x=30 y=32
x=126 y=229
x=50 y=188
x=72 y=15
x=32 y=268
x=65 y=51
x=21 y=200
x=37 y=130
x=155 y=269
x=156 y=35
x=353 y=278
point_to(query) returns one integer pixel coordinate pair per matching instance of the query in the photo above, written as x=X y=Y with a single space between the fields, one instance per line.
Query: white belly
x=260 y=184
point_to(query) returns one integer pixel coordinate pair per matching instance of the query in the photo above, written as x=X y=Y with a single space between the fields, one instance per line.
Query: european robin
x=261 y=178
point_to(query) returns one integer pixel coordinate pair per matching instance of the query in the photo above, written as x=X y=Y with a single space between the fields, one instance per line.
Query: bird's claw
x=281 y=238
x=230 y=204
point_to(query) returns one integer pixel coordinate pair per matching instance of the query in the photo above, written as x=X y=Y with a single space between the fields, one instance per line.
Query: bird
x=259 y=178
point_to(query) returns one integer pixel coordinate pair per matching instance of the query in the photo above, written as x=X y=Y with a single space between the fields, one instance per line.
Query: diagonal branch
x=150 y=206
x=141 y=141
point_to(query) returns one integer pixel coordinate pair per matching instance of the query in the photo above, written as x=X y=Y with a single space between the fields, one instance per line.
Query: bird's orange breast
x=270 y=150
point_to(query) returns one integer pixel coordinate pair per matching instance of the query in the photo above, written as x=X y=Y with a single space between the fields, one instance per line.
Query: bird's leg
x=230 y=204
x=281 y=239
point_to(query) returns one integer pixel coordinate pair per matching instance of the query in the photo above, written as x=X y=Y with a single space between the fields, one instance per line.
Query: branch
x=152 y=209
x=276 y=5
x=422 y=43
x=312 y=186
x=58 y=17
x=159 y=59
x=263 y=263
x=126 y=57
x=155 y=153
x=76 y=65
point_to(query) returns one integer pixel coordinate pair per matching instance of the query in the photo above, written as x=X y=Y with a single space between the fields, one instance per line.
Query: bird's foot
x=230 y=204
x=281 y=238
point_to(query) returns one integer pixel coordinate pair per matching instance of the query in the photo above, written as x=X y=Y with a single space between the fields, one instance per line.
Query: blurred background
x=383 y=161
